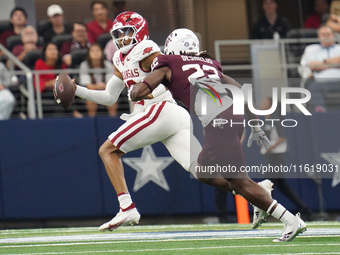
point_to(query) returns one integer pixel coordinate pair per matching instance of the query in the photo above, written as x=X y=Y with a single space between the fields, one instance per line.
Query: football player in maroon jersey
x=182 y=70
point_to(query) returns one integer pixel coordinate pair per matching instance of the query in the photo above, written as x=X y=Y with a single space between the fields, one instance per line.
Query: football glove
x=260 y=137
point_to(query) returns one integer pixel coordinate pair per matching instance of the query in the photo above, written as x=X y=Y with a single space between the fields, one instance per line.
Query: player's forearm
x=139 y=91
x=105 y=97
x=144 y=88
x=96 y=96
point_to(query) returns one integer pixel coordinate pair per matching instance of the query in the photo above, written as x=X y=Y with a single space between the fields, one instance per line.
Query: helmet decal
x=181 y=40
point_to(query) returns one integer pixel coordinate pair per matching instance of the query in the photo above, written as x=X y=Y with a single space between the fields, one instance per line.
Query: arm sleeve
x=106 y=97
x=109 y=69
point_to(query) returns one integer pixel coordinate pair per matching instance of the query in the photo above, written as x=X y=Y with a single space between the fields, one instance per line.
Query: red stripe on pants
x=133 y=124
x=143 y=126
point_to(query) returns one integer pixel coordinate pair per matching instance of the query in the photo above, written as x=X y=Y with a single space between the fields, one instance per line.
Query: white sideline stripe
x=303 y=253
x=144 y=227
x=168 y=240
x=186 y=248
x=232 y=234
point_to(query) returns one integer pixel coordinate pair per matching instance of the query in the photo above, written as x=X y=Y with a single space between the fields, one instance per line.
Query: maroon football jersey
x=185 y=69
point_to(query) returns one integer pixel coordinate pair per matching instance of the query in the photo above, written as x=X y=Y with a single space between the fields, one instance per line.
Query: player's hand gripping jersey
x=192 y=75
x=130 y=68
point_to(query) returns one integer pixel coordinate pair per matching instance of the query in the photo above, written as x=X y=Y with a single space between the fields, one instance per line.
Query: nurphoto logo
x=241 y=96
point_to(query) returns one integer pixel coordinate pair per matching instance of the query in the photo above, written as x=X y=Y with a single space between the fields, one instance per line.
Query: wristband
x=147 y=84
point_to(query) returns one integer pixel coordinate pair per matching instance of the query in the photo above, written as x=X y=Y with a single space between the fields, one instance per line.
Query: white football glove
x=260 y=137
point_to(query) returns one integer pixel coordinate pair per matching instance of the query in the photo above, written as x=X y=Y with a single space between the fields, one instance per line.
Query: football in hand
x=64 y=90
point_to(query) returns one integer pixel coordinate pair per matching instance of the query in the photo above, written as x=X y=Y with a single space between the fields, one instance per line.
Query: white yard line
x=190 y=248
x=153 y=227
x=230 y=234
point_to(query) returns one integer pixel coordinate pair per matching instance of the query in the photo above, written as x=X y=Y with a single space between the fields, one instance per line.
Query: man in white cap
x=57 y=25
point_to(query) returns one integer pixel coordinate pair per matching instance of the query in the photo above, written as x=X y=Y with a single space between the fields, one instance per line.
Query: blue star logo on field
x=333 y=158
x=149 y=167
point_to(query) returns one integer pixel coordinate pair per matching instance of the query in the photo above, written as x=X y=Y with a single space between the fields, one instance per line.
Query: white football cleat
x=291 y=231
x=260 y=215
x=130 y=216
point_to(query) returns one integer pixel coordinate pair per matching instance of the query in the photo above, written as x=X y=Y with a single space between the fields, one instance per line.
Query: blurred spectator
x=334 y=23
x=7 y=100
x=271 y=22
x=335 y=7
x=101 y=24
x=50 y=60
x=29 y=38
x=118 y=6
x=79 y=41
x=96 y=81
x=18 y=21
x=322 y=61
x=110 y=50
x=275 y=155
x=334 y=19
x=321 y=12
x=57 y=26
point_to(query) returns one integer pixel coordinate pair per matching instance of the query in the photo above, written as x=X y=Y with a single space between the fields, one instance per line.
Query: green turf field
x=320 y=238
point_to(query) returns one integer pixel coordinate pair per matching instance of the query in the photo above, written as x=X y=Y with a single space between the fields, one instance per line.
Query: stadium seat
x=42 y=26
x=60 y=39
x=302 y=33
x=87 y=21
x=31 y=57
x=78 y=56
x=295 y=50
x=12 y=41
x=103 y=39
x=5 y=25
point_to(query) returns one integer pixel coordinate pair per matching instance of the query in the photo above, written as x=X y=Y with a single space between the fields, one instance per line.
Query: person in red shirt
x=101 y=23
x=50 y=60
x=321 y=8
x=18 y=21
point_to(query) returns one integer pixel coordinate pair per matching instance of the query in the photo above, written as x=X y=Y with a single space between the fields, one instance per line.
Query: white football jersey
x=130 y=68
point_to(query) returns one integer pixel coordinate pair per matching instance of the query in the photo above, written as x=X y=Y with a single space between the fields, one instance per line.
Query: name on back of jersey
x=193 y=58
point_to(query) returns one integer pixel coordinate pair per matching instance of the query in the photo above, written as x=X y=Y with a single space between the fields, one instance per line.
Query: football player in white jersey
x=157 y=118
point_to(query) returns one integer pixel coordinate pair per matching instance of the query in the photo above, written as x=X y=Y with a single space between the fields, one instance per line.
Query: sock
x=281 y=213
x=124 y=200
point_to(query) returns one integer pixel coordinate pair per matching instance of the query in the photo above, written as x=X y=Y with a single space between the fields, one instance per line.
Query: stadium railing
x=243 y=59
x=29 y=80
x=30 y=100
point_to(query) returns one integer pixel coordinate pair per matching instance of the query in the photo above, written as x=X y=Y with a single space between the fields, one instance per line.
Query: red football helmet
x=129 y=25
